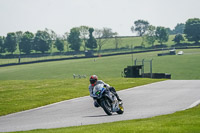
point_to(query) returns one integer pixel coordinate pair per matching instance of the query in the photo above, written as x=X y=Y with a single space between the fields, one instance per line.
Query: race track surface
x=139 y=102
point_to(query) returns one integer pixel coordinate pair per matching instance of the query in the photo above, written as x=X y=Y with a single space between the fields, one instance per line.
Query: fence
x=16 y=59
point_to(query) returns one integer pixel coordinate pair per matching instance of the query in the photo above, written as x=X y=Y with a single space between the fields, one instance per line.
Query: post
x=142 y=67
x=19 y=58
x=132 y=53
x=151 y=68
x=135 y=61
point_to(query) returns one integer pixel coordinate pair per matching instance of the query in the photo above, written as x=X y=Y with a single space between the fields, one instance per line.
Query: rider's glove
x=92 y=95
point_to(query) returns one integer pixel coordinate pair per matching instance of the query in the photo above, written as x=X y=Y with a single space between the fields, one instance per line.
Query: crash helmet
x=93 y=80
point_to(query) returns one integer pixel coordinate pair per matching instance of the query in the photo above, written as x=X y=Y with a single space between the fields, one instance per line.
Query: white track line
x=193 y=105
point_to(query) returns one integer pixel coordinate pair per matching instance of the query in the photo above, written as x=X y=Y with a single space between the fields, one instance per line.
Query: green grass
x=28 y=86
x=33 y=82
x=30 y=59
x=185 y=66
x=123 y=43
x=19 y=95
x=181 y=67
x=187 y=121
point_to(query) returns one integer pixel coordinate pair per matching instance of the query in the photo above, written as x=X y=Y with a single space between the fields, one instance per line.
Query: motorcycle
x=107 y=100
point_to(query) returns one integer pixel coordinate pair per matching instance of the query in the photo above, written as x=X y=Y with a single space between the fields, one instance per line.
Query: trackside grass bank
x=19 y=95
x=185 y=66
x=187 y=121
x=29 y=86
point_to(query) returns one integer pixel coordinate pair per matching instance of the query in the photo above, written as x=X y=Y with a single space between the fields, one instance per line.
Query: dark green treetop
x=192 y=29
x=74 y=39
x=91 y=42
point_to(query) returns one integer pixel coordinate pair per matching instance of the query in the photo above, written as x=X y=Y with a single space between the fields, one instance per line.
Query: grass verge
x=19 y=95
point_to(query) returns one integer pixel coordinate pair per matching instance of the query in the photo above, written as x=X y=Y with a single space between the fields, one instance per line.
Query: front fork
x=115 y=104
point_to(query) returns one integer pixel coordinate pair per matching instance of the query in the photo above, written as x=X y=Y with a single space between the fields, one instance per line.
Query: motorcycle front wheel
x=107 y=107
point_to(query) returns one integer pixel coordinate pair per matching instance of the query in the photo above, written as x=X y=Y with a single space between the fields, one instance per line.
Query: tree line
x=44 y=41
x=90 y=38
x=150 y=33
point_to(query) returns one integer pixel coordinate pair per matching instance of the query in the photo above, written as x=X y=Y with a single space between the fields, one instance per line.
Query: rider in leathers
x=94 y=81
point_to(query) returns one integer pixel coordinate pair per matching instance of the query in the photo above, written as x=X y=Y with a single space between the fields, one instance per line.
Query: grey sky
x=62 y=15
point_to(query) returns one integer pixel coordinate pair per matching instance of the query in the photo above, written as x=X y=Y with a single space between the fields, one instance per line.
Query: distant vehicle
x=171 y=52
x=180 y=53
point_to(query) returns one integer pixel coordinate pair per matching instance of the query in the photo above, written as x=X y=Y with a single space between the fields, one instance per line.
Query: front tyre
x=107 y=107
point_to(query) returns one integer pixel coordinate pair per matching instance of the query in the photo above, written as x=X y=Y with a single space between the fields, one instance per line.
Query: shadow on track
x=100 y=115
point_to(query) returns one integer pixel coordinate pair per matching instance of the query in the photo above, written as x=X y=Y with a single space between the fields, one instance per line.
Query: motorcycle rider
x=94 y=81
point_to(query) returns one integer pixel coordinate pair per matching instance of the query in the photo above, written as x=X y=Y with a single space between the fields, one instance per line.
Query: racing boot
x=112 y=89
x=118 y=97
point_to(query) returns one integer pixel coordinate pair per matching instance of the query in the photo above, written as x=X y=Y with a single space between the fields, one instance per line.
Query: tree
x=192 y=30
x=117 y=42
x=141 y=26
x=64 y=37
x=91 y=42
x=74 y=39
x=102 y=36
x=19 y=35
x=42 y=41
x=53 y=37
x=2 y=47
x=98 y=33
x=179 y=28
x=178 y=38
x=161 y=35
x=26 y=43
x=108 y=33
x=169 y=31
x=84 y=34
x=59 y=43
x=52 y=34
x=150 y=36
x=11 y=42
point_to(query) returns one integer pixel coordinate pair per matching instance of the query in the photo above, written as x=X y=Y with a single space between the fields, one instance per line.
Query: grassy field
x=24 y=87
x=185 y=66
x=19 y=95
x=187 y=121
x=30 y=59
x=27 y=85
x=132 y=41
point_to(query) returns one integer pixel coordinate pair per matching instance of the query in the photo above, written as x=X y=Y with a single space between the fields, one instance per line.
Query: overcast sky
x=119 y=15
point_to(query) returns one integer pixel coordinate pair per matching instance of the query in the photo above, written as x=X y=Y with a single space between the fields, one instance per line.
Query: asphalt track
x=139 y=102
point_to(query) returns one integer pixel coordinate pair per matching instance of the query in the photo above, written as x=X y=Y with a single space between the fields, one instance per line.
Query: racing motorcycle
x=107 y=100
